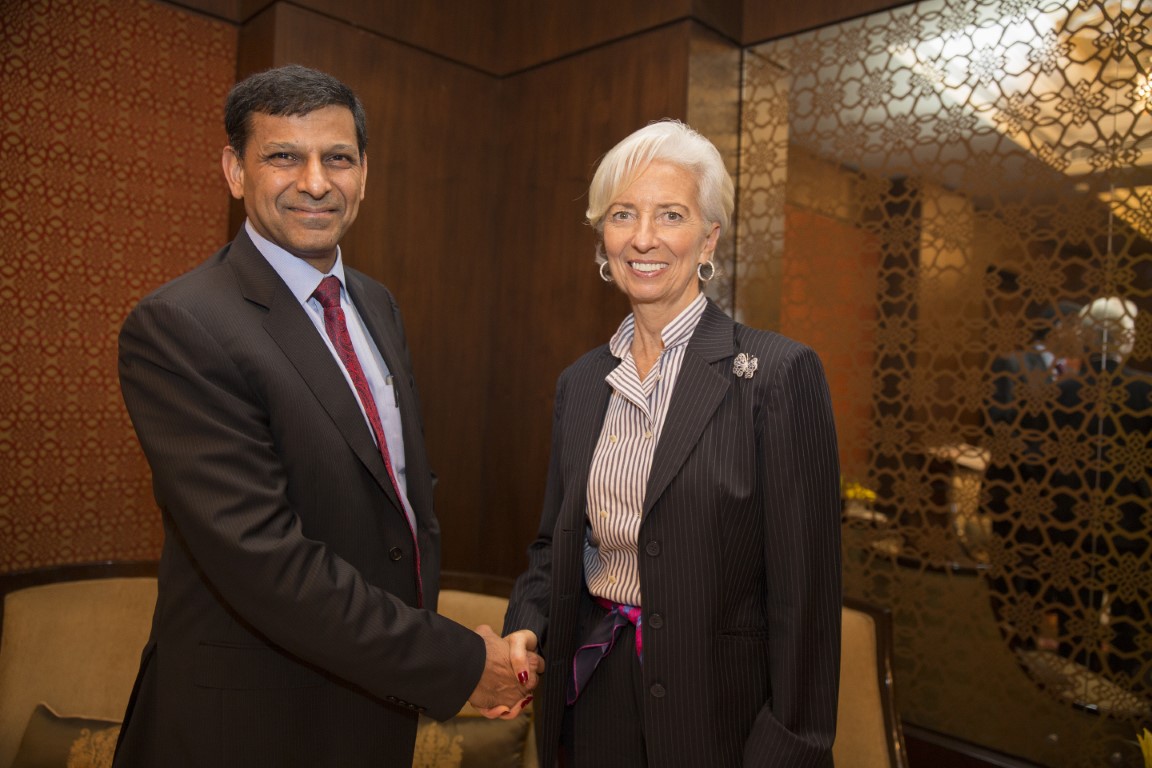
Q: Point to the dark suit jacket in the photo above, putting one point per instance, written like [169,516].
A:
[739,554]
[284,632]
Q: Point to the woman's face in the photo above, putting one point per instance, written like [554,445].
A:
[655,236]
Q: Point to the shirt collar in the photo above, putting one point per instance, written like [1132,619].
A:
[301,277]
[677,332]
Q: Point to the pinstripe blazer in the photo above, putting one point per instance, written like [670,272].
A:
[739,555]
[284,631]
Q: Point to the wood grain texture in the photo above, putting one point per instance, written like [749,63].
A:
[235,11]
[463,31]
[504,37]
[498,37]
[764,20]
[532,33]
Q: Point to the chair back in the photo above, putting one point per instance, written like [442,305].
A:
[473,599]
[868,732]
[71,637]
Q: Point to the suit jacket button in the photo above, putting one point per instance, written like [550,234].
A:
[657,690]
[655,621]
[396,553]
[652,548]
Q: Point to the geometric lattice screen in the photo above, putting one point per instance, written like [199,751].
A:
[952,202]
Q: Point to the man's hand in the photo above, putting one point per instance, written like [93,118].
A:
[511,670]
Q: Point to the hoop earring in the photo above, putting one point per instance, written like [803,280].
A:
[711,265]
[605,277]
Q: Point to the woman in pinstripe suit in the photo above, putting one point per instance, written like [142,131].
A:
[685,582]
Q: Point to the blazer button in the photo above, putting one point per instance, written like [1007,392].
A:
[655,621]
[652,548]
[396,553]
[657,690]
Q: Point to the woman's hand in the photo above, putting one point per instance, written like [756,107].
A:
[527,665]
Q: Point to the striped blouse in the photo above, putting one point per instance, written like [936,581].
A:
[623,456]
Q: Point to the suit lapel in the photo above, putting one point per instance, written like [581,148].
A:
[378,320]
[292,330]
[701,386]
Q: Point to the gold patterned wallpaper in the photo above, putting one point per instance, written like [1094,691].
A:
[109,153]
[940,198]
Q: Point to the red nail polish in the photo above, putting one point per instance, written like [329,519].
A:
[526,702]
[523,677]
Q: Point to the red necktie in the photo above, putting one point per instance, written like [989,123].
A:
[328,294]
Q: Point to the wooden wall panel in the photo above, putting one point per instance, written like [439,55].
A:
[257,49]
[550,305]
[465,31]
[723,16]
[501,37]
[425,230]
[534,32]
[235,11]
[764,20]
[504,37]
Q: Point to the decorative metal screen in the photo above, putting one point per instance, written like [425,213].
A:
[952,202]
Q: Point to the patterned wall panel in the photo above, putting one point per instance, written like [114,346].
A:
[939,198]
[111,134]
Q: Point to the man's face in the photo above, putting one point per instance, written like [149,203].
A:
[301,180]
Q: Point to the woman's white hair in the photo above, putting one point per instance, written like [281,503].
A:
[1109,325]
[668,141]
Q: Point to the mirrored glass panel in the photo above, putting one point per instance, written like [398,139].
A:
[952,202]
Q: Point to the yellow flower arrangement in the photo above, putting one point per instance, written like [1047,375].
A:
[1145,740]
[853,491]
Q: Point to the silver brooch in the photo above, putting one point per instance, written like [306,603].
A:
[745,365]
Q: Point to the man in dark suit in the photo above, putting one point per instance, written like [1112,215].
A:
[272,393]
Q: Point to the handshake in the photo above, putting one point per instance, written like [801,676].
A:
[511,672]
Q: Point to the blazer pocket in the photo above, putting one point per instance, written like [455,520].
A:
[742,665]
[251,667]
[750,633]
